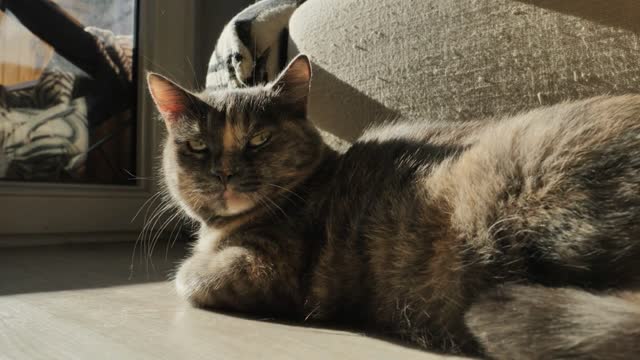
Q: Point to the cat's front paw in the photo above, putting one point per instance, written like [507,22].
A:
[226,279]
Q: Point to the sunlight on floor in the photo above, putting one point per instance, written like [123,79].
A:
[118,318]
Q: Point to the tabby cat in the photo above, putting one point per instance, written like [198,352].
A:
[515,238]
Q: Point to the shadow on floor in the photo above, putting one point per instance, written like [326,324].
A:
[83,266]
[347,329]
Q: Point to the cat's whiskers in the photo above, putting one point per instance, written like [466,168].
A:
[312,312]
[145,234]
[177,225]
[277,206]
[160,210]
[201,200]
[135,177]
[153,197]
[149,202]
[158,235]
[265,205]
[172,238]
[144,237]
[288,191]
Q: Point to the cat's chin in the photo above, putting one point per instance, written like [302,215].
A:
[236,203]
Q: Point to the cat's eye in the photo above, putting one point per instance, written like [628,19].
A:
[197,146]
[259,139]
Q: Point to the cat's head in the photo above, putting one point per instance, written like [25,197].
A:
[230,151]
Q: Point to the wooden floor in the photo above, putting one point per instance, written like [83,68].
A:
[84,302]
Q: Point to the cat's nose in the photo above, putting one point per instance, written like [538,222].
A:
[222,175]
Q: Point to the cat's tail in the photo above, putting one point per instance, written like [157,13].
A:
[535,322]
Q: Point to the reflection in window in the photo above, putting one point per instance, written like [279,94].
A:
[67,91]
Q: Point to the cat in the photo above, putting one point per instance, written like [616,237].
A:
[513,238]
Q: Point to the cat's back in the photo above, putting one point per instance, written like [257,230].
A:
[569,129]
[580,142]
[565,177]
[471,170]
[387,163]
[391,156]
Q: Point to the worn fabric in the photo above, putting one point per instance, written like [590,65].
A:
[44,125]
[252,47]
[456,60]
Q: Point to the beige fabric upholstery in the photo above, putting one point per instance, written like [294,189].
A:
[461,59]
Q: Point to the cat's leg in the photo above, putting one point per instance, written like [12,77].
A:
[235,278]
[536,322]
[208,279]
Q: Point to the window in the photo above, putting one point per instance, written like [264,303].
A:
[68,91]
[99,204]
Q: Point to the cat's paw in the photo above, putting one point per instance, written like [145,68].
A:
[224,279]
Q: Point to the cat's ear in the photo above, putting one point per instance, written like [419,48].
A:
[171,100]
[294,82]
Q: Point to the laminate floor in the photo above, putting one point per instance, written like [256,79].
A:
[87,302]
